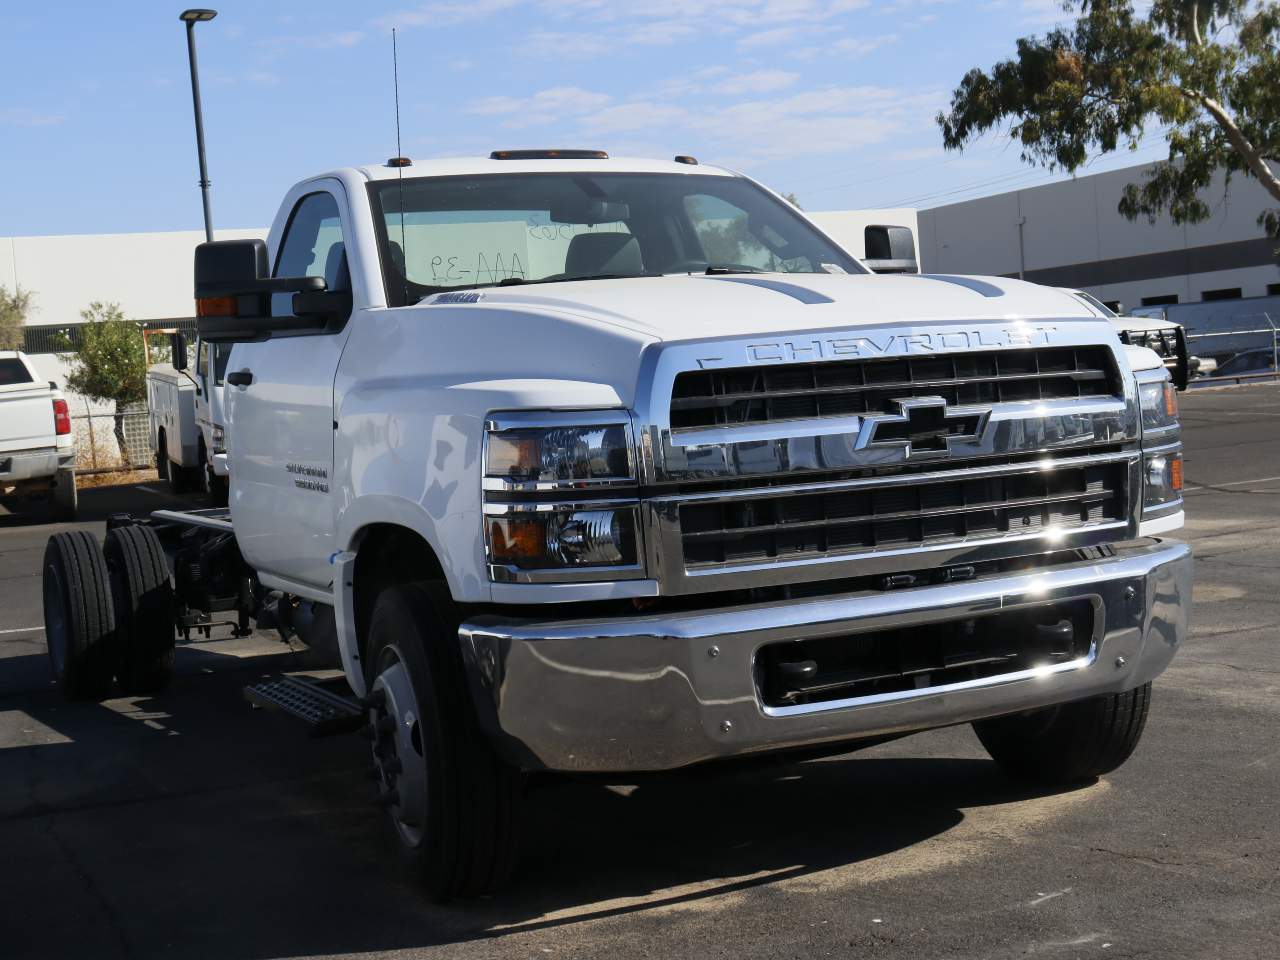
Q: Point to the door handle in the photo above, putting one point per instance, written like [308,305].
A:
[240,378]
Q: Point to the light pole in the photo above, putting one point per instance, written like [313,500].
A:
[191,18]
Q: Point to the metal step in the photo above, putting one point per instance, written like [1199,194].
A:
[323,711]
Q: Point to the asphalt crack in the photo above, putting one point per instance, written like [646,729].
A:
[90,888]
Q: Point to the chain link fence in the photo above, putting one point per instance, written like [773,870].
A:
[98,447]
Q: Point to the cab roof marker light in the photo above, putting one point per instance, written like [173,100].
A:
[548,155]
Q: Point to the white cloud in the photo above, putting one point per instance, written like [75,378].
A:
[640,115]
[759,81]
[542,108]
[27,117]
[446,13]
[769,38]
[858,46]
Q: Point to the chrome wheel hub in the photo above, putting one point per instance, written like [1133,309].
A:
[398,754]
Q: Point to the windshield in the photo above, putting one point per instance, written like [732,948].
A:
[459,232]
[1094,302]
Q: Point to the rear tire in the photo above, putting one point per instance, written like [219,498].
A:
[453,802]
[1071,743]
[143,600]
[66,501]
[162,457]
[79,618]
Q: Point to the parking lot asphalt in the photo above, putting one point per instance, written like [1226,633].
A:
[189,825]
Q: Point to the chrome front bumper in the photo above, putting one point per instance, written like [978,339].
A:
[655,692]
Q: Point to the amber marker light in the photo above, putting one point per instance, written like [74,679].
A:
[517,540]
[215,306]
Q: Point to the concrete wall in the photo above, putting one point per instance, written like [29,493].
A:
[148,274]
[1071,232]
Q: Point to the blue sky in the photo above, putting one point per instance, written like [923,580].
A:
[831,99]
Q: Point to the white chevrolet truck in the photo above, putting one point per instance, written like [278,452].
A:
[37,450]
[612,466]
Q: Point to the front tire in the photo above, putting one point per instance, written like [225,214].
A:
[453,802]
[143,601]
[1071,743]
[79,617]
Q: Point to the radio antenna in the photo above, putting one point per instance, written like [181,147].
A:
[400,162]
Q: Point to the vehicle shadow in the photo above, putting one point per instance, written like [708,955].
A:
[188,821]
[96,504]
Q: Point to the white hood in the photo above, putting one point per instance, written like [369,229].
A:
[700,307]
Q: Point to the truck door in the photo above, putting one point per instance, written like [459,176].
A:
[280,434]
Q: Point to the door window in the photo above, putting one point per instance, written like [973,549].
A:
[312,247]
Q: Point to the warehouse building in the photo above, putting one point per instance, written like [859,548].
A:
[1069,234]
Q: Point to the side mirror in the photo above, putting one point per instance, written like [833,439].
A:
[890,250]
[233,293]
[178,351]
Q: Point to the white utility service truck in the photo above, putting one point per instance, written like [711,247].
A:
[609,466]
[188,429]
[37,450]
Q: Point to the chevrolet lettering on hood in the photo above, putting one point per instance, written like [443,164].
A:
[852,345]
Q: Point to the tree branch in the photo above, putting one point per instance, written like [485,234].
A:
[1195,25]
[1253,158]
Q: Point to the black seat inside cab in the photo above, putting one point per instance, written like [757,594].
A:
[603,254]
[337,274]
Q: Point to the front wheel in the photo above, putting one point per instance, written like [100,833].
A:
[452,801]
[1071,743]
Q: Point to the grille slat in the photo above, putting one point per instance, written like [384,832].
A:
[735,396]
[824,523]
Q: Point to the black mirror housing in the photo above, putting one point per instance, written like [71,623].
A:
[178,351]
[890,250]
[233,286]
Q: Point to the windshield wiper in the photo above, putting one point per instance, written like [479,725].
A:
[517,281]
[719,269]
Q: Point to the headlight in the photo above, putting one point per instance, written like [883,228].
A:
[1162,451]
[1159,402]
[561,497]
[1163,480]
[219,437]
[563,538]
[559,455]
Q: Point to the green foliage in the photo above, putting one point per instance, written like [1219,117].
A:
[13,317]
[111,363]
[1210,71]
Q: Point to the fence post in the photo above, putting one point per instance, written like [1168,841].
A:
[93,446]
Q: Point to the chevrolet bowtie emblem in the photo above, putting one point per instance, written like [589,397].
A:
[926,427]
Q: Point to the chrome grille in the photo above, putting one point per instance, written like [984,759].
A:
[868,518]
[838,388]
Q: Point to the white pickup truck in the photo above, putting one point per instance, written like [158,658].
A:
[612,466]
[37,451]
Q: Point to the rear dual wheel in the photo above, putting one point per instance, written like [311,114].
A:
[143,600]
[108,613]
[79,616]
